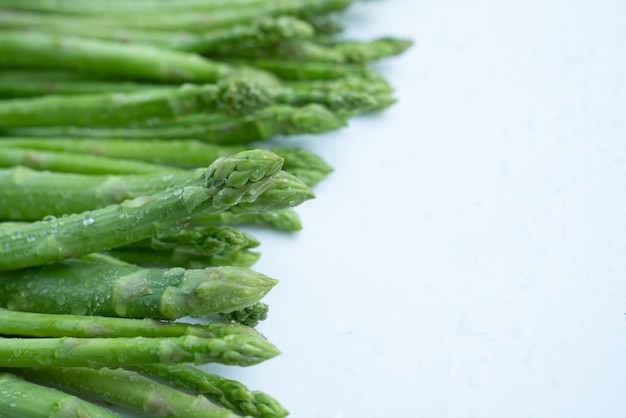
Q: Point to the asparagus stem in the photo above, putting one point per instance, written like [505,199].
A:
[124,155]
[307,50]
[230,393]
[127,389]
[283,220]
[77,163]
[38,50]
[21,398]
[184,257]
[99,286]
[227,182]
[298,71]
[112,109]
[29,195]
[234,349]
[270,122]
[32,324]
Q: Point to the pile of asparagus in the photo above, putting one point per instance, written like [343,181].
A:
[136,144]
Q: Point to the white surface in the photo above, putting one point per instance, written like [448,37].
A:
[466,258]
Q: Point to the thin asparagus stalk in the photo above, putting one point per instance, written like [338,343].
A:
[31,324]
[234,349]
[30,195]
[295,70]
[121,7]
[227,182]
[230,393]
[187,19]
[99,286]
[127,389]
[113,109]
[21,398]
[307,50]
[21,84]
[304,164]
[65,162]
[267,123]
[184,257]
[283,220]
[38,50]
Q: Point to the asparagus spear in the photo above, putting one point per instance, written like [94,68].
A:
[38,50]
[31,324]
[184,257]
[307,50]
[184,19]
[127,389]
[28,195]
[270,122]
[21,398]
[227,182]
[295,70]
[121,7]
[283,220]
[99,286]
[230,393]
[112,109]
[232,349]
[124,155]
[85,164]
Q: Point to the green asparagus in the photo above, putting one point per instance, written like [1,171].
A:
[29,195]
[133,62]
[118,156]
[230,393]
[283,220]
[32,324]
[127,389]
[101,286]
[267,123]
[227,182]
[250,315]
[115,109]
[233,349]
[20,398]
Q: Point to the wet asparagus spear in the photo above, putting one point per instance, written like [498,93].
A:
[114,109]
[128,390]
[227,182]
[102,286]
[228,392]
[21,398]
[32,324]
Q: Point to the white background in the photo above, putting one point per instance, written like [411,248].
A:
[467,257]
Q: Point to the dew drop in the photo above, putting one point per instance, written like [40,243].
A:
[88,221]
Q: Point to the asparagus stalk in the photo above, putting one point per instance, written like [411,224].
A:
[32,324]
[294,70]
[38,50]
[233,349]
[129,390]
[111,109]
[77,163]
[227,182]
[21,398]
[99,286]
[189,19]
[283,220]
[28,195]
[121,7]
[124,155]
[230,393]
[307,50]
[184,257]
[270,122]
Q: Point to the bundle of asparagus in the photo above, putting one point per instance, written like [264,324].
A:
[136,145]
